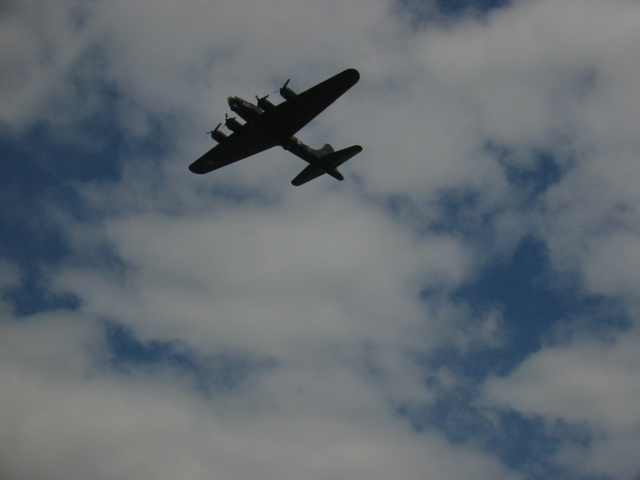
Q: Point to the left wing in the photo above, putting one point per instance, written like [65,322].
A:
[294,114]
[248,141]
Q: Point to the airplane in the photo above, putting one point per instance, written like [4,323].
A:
[268,125]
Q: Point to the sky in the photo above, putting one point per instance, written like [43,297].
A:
[465,305]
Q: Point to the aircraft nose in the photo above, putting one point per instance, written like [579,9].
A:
[231,100]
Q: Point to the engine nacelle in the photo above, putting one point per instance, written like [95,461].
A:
[287,93]
[218,136]
[233,124]
[266,105]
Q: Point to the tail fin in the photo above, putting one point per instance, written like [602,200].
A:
[327,163]
[321,152]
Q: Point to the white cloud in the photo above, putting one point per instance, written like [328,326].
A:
[9,275]
[45,44]
[585,382]
[303,279]
[591,220]
[145,427]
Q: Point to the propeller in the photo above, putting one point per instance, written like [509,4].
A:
[215,129]
[287,93]
[227,120]
[284,87]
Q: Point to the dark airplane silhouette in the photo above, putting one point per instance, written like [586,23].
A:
[268,125]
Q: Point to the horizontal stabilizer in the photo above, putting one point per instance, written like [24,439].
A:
[327,164]
[336,159]
[306,175]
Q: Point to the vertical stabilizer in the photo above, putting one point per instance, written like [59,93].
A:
[326,150]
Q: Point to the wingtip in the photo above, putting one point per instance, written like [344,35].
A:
[353,73]
[195,168]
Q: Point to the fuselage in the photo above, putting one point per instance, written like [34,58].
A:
[250,113]
[246,110]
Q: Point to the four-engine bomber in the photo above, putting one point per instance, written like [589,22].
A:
[268,125]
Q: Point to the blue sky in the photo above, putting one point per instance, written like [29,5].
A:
[463,306]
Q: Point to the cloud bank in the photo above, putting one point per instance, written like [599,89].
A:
[464,305]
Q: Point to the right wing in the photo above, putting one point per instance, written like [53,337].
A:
[291,115]
[249,141]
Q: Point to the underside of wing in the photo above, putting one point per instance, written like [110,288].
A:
[238,146]
[294,114]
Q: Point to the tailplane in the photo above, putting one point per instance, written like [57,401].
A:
[335,159]
[328,162]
